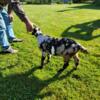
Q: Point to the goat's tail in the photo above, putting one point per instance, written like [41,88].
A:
[83,49]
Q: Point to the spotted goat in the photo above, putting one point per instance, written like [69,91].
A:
[65,47]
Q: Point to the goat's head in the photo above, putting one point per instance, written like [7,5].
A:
[36,31]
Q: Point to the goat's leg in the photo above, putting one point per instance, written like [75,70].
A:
[76,60]
[48,58]
[43,59]
[66,63]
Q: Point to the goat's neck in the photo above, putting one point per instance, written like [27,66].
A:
[39,37]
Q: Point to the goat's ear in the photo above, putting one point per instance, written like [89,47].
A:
[34,31]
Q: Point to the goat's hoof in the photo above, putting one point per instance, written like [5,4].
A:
[59,71]
[40,67]
[75,68]
[48,61]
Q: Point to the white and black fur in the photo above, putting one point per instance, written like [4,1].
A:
[67,48]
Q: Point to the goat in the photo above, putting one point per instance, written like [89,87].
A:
[65,47]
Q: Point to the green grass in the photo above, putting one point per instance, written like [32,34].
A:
[21,80]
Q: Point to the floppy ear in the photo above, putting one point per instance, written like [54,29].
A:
[34,31]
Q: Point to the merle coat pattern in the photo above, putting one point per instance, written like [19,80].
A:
[67,48]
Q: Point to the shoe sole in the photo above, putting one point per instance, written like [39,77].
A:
[7,52]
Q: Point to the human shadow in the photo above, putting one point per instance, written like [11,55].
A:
[87,6]
[26,86]
[83,31]
[5,53]
[64,10]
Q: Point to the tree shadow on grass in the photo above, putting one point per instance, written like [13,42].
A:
[88,6]
[23,87]
[83,31]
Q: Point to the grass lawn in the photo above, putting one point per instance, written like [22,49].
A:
[21,80]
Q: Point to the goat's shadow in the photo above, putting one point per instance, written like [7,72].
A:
[83,31]
[23,87]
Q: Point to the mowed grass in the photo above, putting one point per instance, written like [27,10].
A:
[21,80]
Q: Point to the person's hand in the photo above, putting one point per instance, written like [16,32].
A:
[10,17]
[29,26]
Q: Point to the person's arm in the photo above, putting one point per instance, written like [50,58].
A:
[16,7]
[3,2]
[10,13]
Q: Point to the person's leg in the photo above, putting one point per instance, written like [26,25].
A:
[3,37]
[9,28]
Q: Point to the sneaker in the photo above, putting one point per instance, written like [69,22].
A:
[16,40]
[9,50]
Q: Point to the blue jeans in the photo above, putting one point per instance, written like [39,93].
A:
[6,31]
